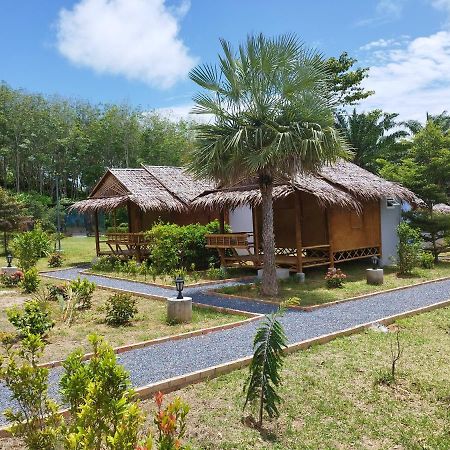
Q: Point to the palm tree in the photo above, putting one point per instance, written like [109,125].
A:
[272,115]
[370,135]
[442,120]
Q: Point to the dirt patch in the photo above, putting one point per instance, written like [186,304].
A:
[10,298]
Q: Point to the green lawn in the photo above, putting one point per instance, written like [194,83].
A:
[331,399]
[76,250]
[314,290]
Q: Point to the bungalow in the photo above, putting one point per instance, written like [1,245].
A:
[341,213]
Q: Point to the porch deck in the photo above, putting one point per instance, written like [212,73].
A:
[238,249]
[125,245]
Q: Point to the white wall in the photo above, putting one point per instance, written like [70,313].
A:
[390,218]
[241,220]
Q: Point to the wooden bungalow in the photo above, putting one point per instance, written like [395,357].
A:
[149,194]
[340,214]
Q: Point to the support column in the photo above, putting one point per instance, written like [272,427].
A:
[222,231]
[97,238]
[255,235]
[298,231]
[330,236]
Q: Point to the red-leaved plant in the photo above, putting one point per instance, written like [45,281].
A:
[171,424]
[11,279]
[335,278]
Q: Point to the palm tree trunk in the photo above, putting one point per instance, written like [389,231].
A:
[269,285]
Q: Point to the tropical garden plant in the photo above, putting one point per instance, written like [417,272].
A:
[264,377]
[272,108]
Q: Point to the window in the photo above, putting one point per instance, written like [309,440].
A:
[391,203]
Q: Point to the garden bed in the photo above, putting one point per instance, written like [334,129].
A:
[201,278]
[149,323]
[314,291]
[331,398]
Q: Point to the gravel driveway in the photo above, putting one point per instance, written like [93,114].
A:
[175,358]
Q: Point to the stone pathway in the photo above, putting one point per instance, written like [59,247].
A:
[175,358]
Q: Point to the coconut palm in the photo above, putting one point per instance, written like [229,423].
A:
[370,135]
[272,116]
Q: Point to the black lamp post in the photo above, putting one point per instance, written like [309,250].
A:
[179,283]
[375,261]
[9,258]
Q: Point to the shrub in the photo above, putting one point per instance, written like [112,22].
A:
[55,260]
[120,309]
[335,278]
[131,267]
[216,273]
[28,247]
[171,424]
[427,260]
[104,410]
[409,248]
[83,289]
[35,417]
[30,281]
[34,318]
[173,246]
[105,264]
[55,292]
[11,279]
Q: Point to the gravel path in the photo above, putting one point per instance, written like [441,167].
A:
[174,358]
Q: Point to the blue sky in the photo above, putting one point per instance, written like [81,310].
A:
[140,51]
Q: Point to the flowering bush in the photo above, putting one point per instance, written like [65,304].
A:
[11,279]
[335,278]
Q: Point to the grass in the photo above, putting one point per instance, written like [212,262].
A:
[331,399]
[149,323]
[315,292]
[76,250]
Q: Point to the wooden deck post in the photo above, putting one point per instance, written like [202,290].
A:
[255,235]
[222,231]
[97,237]
[330,236]
[298,231]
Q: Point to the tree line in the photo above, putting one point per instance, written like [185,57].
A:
[44,138]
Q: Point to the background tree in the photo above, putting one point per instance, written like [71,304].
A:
[426,171]
[371,135]
[11,213]
[346,83]
[273,116]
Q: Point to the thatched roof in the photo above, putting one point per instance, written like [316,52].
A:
[441,208]
[162,188]
[344,184]
[150,188]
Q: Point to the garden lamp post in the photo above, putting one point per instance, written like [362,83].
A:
[179,283]
[9,258]
[375,262]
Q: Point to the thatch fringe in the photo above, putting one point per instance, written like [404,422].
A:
[441,208]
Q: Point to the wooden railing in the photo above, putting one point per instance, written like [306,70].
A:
[230,240]
[126,238]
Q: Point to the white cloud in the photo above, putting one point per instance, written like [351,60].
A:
[413,79]
[380,43]
[182,111]
[385,11]
[138,39]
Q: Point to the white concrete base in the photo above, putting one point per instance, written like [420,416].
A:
[179,310]
[375,276]
[282,274]
[9,270]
